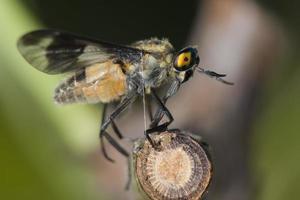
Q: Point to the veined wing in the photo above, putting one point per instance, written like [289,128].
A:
[54,52]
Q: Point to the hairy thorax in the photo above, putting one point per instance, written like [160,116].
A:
[156,62]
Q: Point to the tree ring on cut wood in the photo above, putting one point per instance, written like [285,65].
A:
[178,168]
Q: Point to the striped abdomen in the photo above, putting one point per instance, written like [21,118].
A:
[102,82]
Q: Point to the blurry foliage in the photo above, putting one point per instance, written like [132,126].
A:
[286,12]
[287,15]
[39,159]
[276,141]
[276,144]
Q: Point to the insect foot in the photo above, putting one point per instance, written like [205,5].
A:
[180,169]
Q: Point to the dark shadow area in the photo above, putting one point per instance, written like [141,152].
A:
[119,21]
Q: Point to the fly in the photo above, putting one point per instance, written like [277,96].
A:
[105,72]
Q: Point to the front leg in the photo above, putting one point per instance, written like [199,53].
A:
[160,112]
[164,126]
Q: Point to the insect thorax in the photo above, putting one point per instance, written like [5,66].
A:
[154,45]
[155,65]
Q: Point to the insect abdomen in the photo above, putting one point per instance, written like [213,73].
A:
[103,82]
[65,94]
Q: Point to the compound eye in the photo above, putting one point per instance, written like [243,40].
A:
[183,60]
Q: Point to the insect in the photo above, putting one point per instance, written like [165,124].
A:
[105,72]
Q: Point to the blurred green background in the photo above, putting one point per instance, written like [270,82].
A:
[46,149]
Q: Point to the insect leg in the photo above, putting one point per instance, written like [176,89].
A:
[159,113]
[103,133]
[113,142]
[164,126]
[129,174]
[116,129]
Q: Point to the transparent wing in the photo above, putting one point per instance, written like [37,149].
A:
[55,52]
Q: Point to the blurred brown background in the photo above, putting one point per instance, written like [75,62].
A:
[52,152]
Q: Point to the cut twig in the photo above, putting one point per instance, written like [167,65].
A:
[178,168]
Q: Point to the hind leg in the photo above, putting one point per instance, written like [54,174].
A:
[110,120]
